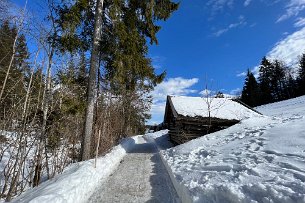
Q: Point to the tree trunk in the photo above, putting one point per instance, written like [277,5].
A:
[25,106]
[47,100]
[42,139]
[91,91]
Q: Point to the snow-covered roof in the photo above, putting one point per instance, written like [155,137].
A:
[223,108]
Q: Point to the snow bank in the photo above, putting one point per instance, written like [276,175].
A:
[78,181]
[219,107]
[261,159]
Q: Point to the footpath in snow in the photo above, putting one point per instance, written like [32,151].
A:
[261,159]
[131,172]
[140,177]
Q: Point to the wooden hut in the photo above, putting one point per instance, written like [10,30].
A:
[188,118]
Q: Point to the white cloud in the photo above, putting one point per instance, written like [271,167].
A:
[220,5]
[289,49]
[300,22]
[235,92]
[242,74]
[207,93]
[173,86]
[247,2]
[255,71]
[241,22]
[293,8]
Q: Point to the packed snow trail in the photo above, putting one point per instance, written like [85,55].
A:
[140,177]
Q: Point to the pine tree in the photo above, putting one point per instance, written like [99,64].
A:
[278,80]
[219,94]
[290,89]
[265,77]
[301,76]
[14,87]
[122,47]
[251,93]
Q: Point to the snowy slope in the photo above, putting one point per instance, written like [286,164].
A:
[261,159]
[219,107]
[285,108]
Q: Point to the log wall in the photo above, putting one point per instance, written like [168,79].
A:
[184,129]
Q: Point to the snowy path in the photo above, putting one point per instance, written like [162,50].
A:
[140,177]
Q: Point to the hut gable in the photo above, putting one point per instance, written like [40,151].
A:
[191,117]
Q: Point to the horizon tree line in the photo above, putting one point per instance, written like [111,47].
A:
[275,82]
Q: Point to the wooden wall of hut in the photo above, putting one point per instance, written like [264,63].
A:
[184,129]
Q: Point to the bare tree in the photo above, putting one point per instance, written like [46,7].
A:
[19,25]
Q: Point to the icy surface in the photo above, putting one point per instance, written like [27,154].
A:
[141,177]
[223,108]
[261,159]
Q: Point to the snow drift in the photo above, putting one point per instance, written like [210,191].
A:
[78,181]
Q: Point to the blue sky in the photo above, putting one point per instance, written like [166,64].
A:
[214,42]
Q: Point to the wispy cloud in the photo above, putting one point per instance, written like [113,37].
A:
[247,3]
[242,74]
[289,49]
[293,8]
[219,5]
[173,86]
[300,22]
[157,61]
[241,22]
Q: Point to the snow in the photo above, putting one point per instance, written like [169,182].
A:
[260,159]
[78,181]
[285,108]
[140,177]
[224,108]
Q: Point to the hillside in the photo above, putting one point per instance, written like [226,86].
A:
[261,159]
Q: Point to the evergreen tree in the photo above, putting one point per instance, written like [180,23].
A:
[251,93]
[14,88]
[219,94]
[278,80]
[265,77]
[290,89]
[301,76]
[122,47]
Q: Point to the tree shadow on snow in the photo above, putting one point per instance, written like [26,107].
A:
[142,148]
[162,187]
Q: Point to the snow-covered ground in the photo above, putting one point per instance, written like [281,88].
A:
[141,177]
[79,180]
[131,172]
[261,159]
